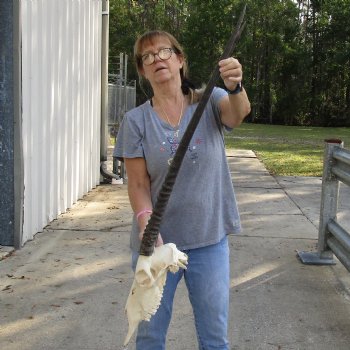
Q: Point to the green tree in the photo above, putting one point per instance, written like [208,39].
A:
[207,29]
[296,54]
[325,29]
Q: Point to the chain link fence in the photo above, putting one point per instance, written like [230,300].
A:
[121,98]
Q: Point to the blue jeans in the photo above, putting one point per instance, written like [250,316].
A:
[207,279]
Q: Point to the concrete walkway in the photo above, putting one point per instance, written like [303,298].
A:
[67,288]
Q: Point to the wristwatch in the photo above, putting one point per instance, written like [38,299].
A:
[236,91]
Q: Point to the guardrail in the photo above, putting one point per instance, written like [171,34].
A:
[332,237]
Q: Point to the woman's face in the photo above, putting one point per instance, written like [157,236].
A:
[161,71]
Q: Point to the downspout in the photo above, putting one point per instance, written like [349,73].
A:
[104,93]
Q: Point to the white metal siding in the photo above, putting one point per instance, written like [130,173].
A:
[61,89]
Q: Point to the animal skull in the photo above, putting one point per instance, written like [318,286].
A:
[147,288]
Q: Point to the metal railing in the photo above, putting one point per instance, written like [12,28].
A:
[332,237]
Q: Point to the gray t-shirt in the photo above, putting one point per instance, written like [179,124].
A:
[202,206]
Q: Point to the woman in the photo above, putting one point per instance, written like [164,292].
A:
[202,209]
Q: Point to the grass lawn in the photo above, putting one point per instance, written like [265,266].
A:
[287,150]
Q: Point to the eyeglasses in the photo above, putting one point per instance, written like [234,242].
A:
[163,54]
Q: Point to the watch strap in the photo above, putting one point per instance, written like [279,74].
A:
[237,89]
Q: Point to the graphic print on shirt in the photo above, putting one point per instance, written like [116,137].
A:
[172,143]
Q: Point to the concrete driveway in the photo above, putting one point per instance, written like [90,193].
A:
[66,289]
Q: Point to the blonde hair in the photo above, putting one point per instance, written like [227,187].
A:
[149,38]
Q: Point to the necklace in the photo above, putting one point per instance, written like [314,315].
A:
[178,120]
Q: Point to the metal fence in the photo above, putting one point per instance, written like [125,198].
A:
[332,237]
[121,93]
[121,98]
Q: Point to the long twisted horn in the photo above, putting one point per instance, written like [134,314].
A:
[152,229]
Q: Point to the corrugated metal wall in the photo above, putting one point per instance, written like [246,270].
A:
[61,89]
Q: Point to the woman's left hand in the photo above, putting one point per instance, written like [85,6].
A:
[230,72]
